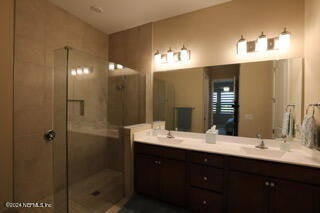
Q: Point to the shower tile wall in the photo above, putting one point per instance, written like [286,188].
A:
[40,29]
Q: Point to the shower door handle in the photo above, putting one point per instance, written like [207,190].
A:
[50,135]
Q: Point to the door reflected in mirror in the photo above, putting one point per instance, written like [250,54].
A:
[240,99]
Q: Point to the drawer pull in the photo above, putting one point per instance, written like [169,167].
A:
[205,160]
[272,184]
[267,183]
[204,202]
[205,178]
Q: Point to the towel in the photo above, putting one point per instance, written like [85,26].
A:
[288,124]
[309,132]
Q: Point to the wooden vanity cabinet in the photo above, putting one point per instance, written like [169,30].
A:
[215,183]
[259,186]
[160,173]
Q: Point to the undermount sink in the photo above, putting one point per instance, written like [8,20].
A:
[170,140]
[263,152]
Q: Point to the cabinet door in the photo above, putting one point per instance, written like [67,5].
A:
[147,175]
[291,197]
[173,181]
[247,193]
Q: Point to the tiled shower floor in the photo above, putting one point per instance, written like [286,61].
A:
[108,187]
[109,184]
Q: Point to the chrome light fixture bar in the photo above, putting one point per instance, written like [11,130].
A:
[263,43]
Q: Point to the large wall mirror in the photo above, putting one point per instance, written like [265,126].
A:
[240,99]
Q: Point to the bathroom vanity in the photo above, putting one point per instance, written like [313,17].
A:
[230,176]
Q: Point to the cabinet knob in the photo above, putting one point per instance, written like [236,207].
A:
[159,162]
[205,160]
[204,202]
[267,183]
[205,178]
[272,184]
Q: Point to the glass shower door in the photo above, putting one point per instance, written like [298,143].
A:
[60,127]
[89,155]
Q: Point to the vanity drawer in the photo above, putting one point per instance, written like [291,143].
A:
[166,152]
[205,201]
[278,170]
[206,177]
[146,149]
[206,159]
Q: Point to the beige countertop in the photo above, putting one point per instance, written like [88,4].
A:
[235,146]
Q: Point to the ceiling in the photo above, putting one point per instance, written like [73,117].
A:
[120,15]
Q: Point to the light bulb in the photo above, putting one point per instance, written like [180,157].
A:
[157,57]
[112,66]
[284,40]
[262,43]
[170,58]
[119,66]
[242,46]
[73,72]
[184,54]
[226,89]
[79,71]
[86,70]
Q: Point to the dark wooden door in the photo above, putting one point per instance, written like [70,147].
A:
[147,175]
[291,197]
[247,193]
[173,181]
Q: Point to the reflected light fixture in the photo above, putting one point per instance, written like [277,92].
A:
[170,58]
[184,54]
[112,66]
[242,46]
[86,70]
[119,66]
[226,89]
[284,40]
[73,72]
[157,57]
[79,71]
[262,43]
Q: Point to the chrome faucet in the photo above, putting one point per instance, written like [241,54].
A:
[170,135]
[262,145]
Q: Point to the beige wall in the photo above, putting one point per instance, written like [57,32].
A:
[312,52]
[40,29]
[6,97]
[133,48]
[188,89]
[255,99]
[211,34]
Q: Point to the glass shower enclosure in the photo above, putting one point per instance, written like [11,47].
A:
[90,106]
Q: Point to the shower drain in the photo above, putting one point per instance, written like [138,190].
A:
[95,193]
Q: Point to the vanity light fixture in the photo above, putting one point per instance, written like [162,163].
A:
[79,71]
[119,67]
[242,46]
[112,66]
[284,40]
[184,54]
[263,43]
[86,70]
[157,57]
[73,72]
[226,89]
[172,57]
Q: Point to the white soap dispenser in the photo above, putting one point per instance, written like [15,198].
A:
[211,135]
